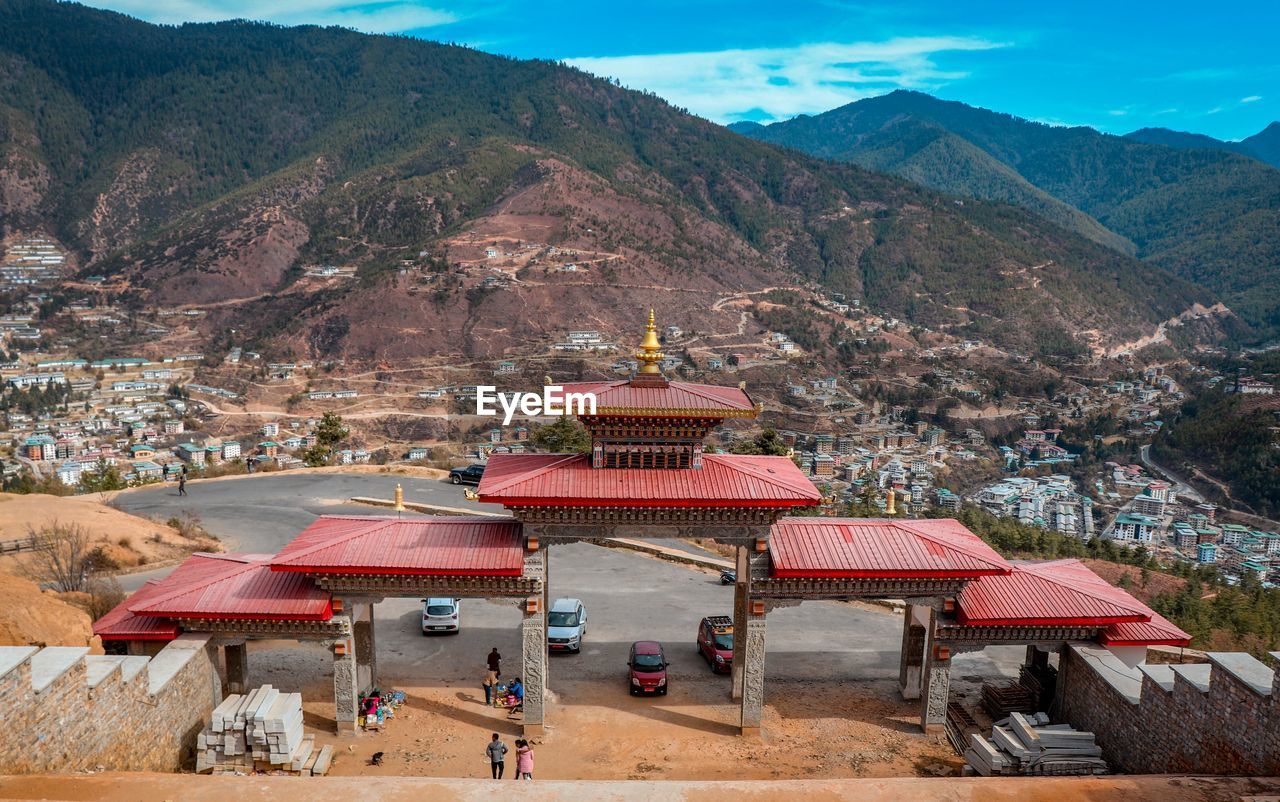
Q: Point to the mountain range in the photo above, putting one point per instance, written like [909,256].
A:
[1263,146]
[204,165]
[1208,212]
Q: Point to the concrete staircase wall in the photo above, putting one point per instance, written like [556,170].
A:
[1220,717]
[66,710]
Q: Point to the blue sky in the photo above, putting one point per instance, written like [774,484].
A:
[1116,66]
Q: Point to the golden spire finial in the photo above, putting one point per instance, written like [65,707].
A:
[650,354]
[890,507]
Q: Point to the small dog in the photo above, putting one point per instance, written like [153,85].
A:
[376,760]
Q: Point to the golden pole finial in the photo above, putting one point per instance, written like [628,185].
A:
[399,498]
[650,354]
[890,508]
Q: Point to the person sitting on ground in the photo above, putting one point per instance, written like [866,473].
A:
[515,696]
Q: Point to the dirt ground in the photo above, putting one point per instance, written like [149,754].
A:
[31,617]
[597,731]
[130,540]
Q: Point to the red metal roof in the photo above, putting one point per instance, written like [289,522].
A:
[444,546]
[1056,592]
[677,398]
[568,480]
[124,624]
[877,547]
[1159,631]
[235,586]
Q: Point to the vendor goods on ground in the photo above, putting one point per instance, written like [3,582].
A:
[379,706]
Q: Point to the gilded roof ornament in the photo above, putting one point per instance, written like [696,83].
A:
[650,355]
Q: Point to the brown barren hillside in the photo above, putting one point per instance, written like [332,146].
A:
[1157,584]
[32,617]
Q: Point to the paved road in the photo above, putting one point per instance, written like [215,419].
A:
[1183,489]
[263,513]
[628,596]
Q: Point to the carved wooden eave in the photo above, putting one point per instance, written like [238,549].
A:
[424,586]
[737,534]
[262,628]
[965,638]
[843,588]
[648,516]
[691,413]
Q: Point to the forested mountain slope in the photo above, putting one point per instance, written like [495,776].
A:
[1211,216]
[205,164]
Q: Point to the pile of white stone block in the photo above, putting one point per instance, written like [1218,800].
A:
[260,731]
[1029,744]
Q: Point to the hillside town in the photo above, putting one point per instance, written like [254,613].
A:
[157,416]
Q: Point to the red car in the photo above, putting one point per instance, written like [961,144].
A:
[715,642]
[647,668]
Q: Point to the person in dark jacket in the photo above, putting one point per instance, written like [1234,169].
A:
[497,752]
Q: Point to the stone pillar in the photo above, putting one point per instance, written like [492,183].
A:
[1037,658]
[911,659]
[533,632]
[935,681]
[750,642]
[237,659]
[363,642]
[346,695]
[740,591]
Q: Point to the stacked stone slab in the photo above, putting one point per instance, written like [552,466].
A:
[259,731]
[1031,745]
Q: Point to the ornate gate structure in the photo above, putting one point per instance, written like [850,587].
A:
[648,475]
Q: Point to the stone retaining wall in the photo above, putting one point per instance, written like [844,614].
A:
[1220,717]
[65,710]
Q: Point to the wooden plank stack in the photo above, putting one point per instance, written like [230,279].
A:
[260,731]
[1031,745]
[1001,700]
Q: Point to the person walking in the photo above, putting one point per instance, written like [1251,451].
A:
[497,752]
[524,760]
[182,484]
[494,671]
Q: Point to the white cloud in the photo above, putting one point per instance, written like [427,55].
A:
[1251,99]
[380,16]
[783,82]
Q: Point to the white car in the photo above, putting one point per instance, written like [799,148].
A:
[566,625]
[441,615]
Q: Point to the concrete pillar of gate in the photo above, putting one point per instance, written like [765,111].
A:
[750,641]
[740,590]
[935,681]
[346,695]
[365,646]
[911,659]
[237,659]
[533,631]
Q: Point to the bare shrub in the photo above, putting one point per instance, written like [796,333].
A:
[63,558]
[105,594]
